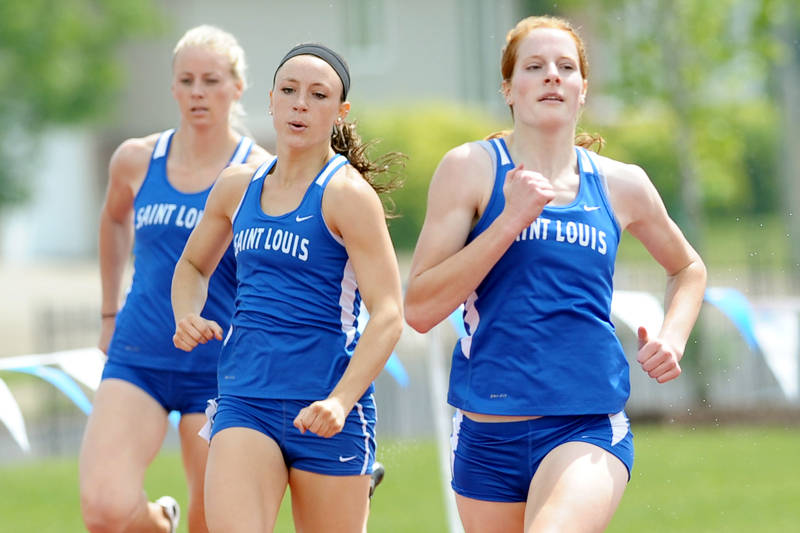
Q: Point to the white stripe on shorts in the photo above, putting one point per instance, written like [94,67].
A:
[458,416]
[619,427]
[363,419]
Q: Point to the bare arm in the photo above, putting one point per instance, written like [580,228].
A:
[201,255]
[353,210]
[444,272]
[641,211]
[126,171]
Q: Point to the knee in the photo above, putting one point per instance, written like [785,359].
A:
[102,513]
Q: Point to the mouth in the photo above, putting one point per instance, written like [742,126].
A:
[551,97]
[198,109]
[297,125]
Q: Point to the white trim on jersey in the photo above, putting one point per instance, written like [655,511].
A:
[595,165]
[347,298]
[161,146]
[471,318]
[333,165]
[259,173]
[242,151]
[586,163]
[487,145]
[505,159]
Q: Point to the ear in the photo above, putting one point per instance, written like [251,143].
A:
[505,89]
[583,92]
[269,107]
[344,110]
[239,89]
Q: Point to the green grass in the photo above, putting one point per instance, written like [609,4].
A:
[713,479]
[706,479]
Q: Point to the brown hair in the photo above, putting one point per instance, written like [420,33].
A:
[509,58]
[346,141]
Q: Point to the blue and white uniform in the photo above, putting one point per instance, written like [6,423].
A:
[163,220]
[294,329]
[540,340]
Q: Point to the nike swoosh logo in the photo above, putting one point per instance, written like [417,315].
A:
[298,218]
[591,208]
[345,459]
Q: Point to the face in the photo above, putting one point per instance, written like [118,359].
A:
[306,101]
[546,87]
[203,85]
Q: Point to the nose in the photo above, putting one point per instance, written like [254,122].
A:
[299,102]
[551,76]
[197,89]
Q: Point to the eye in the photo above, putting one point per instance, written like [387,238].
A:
[535,66]
[212,81]
[186,81]
[320,95]
[287,90]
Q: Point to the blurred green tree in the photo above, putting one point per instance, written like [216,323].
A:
[710,72]
[424,132]
[58,66]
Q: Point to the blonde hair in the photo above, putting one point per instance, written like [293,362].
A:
[509,58]
[222,42]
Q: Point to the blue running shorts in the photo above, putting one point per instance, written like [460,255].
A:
[350,452]
[496,461]
[185,392]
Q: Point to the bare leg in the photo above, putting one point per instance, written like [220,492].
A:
[124,433]
[334,504]
[576,488]
[479,516]
[194,451]
[245,482]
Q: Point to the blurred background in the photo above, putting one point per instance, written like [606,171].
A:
[704,95]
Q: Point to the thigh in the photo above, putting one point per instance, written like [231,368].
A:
[245,481]
[124,433]
[577,487]
[334,504]
[481,516]
[194,450]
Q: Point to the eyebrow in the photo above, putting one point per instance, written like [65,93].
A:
[295,80]
[207,73]
[539,56]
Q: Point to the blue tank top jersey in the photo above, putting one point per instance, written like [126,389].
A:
[297,301]
[163,219]
[540,340]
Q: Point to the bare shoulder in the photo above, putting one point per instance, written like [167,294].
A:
[621,174]
[632,194]
[464,177]
[234,179]
[468,161]
[348,185]
[130,160]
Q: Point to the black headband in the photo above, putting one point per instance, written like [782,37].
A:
[321,51]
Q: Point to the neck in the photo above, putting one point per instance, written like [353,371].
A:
[547,152]
[201,145]
[301,164]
